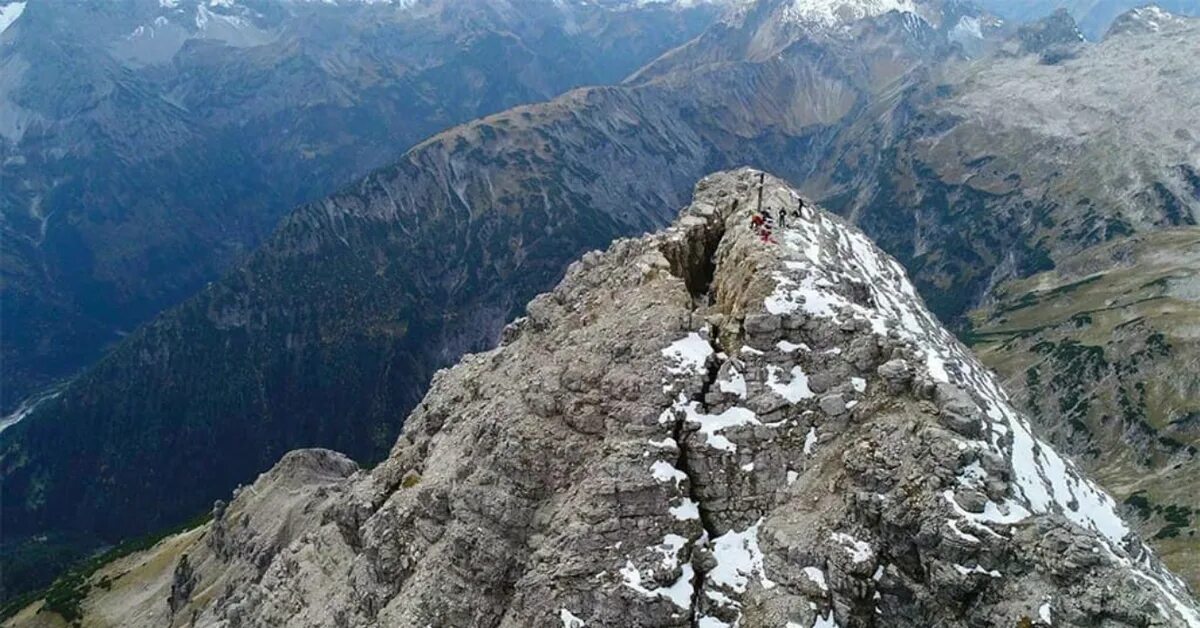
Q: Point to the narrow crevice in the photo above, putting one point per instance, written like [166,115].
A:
[683,463]
[698,573]
[694,259]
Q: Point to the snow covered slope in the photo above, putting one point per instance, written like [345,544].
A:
[9,12]
[820,255]
[833,12]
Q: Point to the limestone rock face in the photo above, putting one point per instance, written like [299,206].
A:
[709,426]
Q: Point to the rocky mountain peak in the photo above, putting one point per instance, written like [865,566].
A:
[830,13]
[1148,19]
[747,419]
[1053,37]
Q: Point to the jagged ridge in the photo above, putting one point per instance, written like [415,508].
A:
[695,428]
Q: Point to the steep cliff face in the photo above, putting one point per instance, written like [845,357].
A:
[708,426]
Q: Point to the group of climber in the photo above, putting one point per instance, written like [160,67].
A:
[763,223]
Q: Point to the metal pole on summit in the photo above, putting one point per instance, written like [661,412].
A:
[762,223]
[761,179]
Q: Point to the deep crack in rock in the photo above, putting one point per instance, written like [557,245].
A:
[683,464]
[694,261]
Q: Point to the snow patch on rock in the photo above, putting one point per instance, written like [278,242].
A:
[736,384]
[9,14]
[860,551]
[795,389]
[711,425]
[688,354]
[569,620]
[679,592]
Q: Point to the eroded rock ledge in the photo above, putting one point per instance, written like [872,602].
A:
[695,428]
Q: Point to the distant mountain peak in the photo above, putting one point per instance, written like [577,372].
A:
[1054,38]
[835,12]
[1147,19]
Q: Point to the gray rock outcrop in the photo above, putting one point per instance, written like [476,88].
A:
[701,427]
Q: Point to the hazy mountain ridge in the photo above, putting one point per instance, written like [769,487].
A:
[133,176]
[1094,16]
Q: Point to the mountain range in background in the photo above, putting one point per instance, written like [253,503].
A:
[991,159]
[148,146]
[1093,16]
